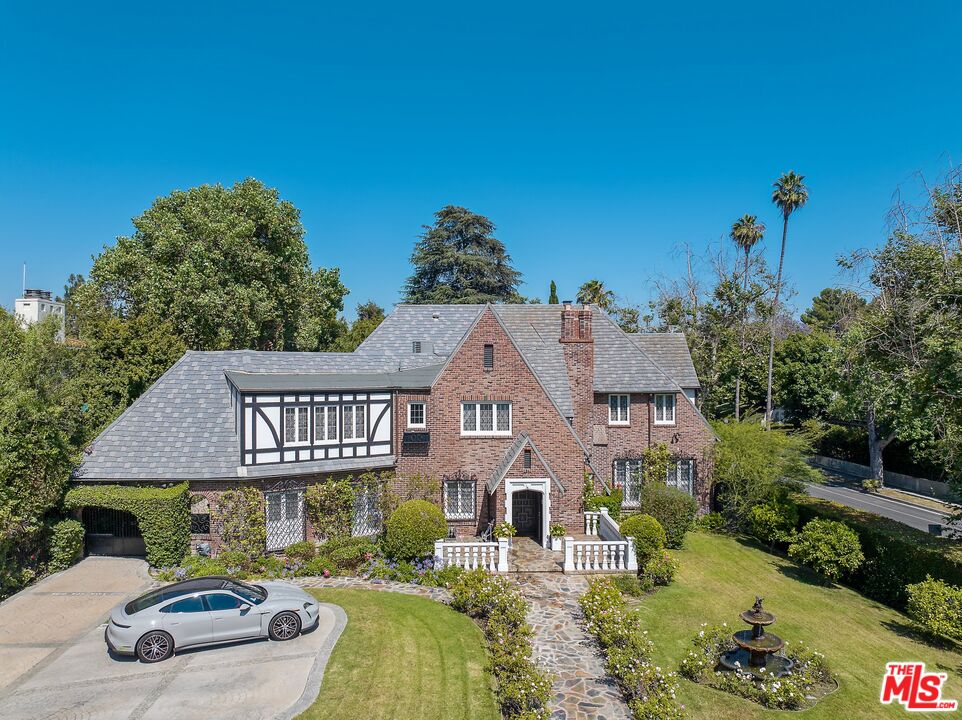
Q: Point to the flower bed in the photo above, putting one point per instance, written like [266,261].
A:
[523,689]
[809,680]
[649,692]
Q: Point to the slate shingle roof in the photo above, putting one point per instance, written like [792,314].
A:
[183,427]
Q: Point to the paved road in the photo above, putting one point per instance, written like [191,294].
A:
[837,489]
[54,662]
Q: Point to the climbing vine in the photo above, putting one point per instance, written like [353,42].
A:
[240,514]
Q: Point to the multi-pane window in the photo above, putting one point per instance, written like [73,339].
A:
[664,409]
[325,423]
[296,424]
[354,421]
[416,415]
[459,499]
[681,475]
[617,409]
[627,477]
[486,418]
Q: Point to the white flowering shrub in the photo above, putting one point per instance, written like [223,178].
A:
[649,692]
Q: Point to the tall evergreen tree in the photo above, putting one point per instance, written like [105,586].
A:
[553,294]
[458,260]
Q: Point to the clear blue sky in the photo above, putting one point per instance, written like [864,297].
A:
[596,136]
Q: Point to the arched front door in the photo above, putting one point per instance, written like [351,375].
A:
[526,514]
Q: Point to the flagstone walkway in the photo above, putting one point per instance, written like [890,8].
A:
[582,688]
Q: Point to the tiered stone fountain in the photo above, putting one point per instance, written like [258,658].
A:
[757,648]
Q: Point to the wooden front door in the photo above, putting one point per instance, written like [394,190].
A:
[526,513]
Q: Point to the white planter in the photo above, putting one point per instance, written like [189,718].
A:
[556,543]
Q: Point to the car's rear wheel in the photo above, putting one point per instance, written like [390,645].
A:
[155,646]
[284,626]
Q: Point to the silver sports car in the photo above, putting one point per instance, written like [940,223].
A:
[206,611]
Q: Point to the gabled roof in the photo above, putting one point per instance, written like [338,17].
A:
[523,440]
[670,351]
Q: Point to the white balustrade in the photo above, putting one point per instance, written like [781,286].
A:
[591,522]
[492,556]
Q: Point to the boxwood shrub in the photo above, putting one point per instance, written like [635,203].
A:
[412,530]
[937,608]
[163,515]
[66,544]
[896,555]
[672,508]
[648,533]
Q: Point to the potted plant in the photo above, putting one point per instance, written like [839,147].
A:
[557,532]
[505,530]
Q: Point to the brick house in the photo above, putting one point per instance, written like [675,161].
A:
[505,409]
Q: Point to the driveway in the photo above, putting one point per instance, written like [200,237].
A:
[54,662]
[839,489]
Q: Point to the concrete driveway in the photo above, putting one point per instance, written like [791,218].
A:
[54,662]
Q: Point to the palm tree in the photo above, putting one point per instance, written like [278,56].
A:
[594,292]
[746,233]
[789,195]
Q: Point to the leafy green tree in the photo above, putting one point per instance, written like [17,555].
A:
[369,316]
[833,309]
[594,292]
[628,318]
[228,267]
[553,294]
[789,195]
[746,233]
[804,382]
[458,260]
[38,419]
[754,466]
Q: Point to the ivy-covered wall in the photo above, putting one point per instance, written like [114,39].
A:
[163,515]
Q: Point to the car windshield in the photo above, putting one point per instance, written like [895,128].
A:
[253,594]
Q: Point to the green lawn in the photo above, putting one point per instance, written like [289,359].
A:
[719,577]
[403,658]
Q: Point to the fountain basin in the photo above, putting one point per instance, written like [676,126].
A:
[741,660]
[766,642]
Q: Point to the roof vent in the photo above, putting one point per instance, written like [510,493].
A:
[416,347]
[436,316]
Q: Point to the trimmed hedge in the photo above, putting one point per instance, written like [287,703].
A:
[648,533]
[412,530]
[163,515]
[895,554]
[66,544]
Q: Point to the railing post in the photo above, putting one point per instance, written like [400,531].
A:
[439,552]
[632,559]
[502,554]
[569,549]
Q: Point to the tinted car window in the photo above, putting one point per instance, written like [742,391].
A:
[251,593]
[220,601]
[187,605]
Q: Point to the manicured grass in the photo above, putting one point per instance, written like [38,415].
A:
[403,658]
[719,577]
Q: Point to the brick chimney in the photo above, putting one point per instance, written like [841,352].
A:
[579,351]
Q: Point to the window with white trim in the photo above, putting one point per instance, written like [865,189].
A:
[325,423]
[459,499]
[416,416]
[485,418]
[665,409]
[627,477]
[681,475]
[296,424]
[618,409]
[354,422]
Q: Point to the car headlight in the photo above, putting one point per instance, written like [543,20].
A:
[306,605]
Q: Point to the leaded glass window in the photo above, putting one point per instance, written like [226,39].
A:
[459,499]
[627,477]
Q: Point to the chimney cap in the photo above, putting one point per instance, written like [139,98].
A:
[566,303]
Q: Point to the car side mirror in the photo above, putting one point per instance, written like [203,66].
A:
[244,607]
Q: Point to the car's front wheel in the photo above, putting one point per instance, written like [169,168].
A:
[284,626]
[155,646]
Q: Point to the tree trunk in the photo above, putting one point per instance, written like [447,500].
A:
[771,343]
[876,446]
[741,351]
